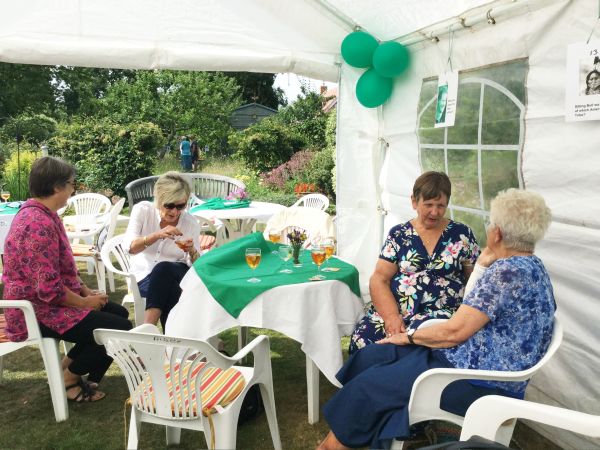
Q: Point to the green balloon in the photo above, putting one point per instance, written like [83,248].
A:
[358,48]
[372,89]
[390,59]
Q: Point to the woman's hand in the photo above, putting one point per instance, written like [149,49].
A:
[394,325]
[486,257]
[168,232]
[96,301]
[397,339]
[85,291]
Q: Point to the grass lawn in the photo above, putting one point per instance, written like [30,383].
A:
[28,418]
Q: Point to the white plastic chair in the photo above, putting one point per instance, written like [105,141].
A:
[91,256]
[317,224]
[318,201]
[50,354]
[486,415]
[112,249]
[163,393]
[427,390]
[213,227]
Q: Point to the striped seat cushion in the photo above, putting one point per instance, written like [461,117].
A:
[218,387]
[206,241]
[3,337]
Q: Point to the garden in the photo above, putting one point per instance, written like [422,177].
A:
[116,126]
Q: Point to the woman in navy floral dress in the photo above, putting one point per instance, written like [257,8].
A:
[505,323]
[422,269]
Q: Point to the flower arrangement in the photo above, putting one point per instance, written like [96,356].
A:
[296,238]
[238,194]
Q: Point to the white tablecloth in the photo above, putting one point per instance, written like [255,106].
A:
[5,223]
[315,314]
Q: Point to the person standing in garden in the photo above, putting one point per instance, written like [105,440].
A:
[185,149]
[195,154]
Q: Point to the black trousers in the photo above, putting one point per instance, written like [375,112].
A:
[89,357]
[161,287]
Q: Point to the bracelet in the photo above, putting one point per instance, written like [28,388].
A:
[146,242]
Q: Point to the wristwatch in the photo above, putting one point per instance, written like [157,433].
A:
[409,335]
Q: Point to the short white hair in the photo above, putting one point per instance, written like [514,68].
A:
[522,217]
[171,187]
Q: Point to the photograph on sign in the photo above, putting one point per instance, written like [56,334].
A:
[445,109]
[582,94]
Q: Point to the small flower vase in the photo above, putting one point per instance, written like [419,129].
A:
[296,254]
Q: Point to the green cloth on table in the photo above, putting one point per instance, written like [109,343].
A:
[224,272]
[10,207]
[220,203]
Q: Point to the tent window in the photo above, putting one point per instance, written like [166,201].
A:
[481,153]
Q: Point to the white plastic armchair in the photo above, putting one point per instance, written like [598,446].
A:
[208,228]
[318,201]
[427,390]
[112,250]
[91,255]
[49,349]
[163,375]
[486,415]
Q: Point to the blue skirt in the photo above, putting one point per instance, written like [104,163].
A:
[372,407]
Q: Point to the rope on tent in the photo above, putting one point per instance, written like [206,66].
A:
[594,27]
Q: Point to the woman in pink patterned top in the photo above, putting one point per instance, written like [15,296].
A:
[39,267]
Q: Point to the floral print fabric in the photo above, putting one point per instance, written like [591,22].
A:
[38,265]
[517,296]
[425,286]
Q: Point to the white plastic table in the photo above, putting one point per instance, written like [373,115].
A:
[315,314]
[5,223]
[240,221]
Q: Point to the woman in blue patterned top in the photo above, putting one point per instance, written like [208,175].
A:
[422,268]
[505,323]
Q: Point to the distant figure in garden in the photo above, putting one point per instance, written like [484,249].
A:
[185,149]
[164,240]
[422,269]
[195,155]
[592,83]
[39,267]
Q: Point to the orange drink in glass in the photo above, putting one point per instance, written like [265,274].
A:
[253,256]
[318,256]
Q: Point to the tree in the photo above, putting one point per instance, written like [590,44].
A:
[33,128]
[25,87]
[306,118]
[196,103]
[78,89]
[258,88]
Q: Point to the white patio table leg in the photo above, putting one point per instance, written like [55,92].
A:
[312,389]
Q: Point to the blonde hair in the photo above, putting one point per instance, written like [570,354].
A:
[171,187]
[522,216]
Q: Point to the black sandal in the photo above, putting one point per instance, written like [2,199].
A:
[86,393]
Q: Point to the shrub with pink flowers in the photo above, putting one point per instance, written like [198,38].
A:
[294,168]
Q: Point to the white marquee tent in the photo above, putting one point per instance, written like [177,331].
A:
[379,150]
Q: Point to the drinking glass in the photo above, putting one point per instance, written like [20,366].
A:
[274,236]
[317,254]
[253,256]
[329,246]
[5,196]
[285,253]
[182,242]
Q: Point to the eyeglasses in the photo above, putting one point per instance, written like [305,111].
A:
[178,206]
[72,183]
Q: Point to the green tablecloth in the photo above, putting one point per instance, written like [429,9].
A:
[219,203]
[225,273]
[10,207]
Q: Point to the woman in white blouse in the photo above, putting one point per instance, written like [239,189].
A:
[164,241]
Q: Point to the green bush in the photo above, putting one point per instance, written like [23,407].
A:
[107,155]
[16,172]
[318,172]
[265,145]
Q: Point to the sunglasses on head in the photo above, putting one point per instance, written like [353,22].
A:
[178,206]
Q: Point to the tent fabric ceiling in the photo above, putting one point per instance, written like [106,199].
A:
[302,37]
